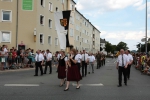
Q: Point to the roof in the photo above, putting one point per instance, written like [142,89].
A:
[102,40]
[87,20]
[73,1]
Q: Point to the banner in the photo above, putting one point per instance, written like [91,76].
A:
[62,26]
[27,5]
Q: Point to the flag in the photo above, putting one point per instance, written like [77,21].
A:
[62,26]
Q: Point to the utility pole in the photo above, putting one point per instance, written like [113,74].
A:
[146,30]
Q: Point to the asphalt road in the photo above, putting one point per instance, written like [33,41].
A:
[102,85]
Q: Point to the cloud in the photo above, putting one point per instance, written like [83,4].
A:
[129,37]
[106,5]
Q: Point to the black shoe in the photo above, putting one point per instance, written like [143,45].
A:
[119,85]
[35,75]
[78,87]
[125,84]
[44,73]
[92,72]
[89,72]
[66,89]
[41,74]
[50,73]
[82,76]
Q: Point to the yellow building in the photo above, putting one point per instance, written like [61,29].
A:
[31,22]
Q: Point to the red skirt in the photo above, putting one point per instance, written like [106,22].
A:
[61,72]
[73,73]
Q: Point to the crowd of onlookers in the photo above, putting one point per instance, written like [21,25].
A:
[15,59]
[142,62]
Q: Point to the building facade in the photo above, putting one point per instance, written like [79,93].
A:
[31,23]
[103,45]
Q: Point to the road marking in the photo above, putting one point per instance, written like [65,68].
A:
[115,61]
[21,85]
[88,84]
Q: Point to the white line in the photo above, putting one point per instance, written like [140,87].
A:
[21,85]
[115,61]
[88,84]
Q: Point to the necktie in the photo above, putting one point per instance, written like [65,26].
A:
[122,61]
[84,57]
[38,58]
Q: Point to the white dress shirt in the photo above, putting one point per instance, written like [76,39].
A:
[40,57]
[79,57]
[91,58]
[125,60]
[48,56]
[130,57]
[86,57]
[58,56]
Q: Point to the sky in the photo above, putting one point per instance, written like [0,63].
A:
[118,20]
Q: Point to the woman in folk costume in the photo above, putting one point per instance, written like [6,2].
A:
[61,68]
[73,73]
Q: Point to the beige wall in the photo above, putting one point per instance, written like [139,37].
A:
[30,20]
[26,25]
[9,26]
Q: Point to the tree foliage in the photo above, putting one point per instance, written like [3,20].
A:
[111,48]
[122,45]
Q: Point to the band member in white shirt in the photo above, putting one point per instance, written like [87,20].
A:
[130,63]
[84,63]
[48,62]
[39,58]
[91,60]
[122,64]
[79,56]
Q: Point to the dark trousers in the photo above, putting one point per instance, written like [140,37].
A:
[121,71]
[78,64]
[48,63]
[104,61]
[101,62]
[38,64]
[84,68]
[98,64]
[128,71]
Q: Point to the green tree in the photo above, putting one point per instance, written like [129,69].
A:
[114,48]
[122,45]
[108,47]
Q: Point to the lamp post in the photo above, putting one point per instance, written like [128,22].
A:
[146,30]
[140,46]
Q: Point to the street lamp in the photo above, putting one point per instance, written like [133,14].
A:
[146,30]
[140,46]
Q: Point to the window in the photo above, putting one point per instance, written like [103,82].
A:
[50,23]
[41,39]
[49,40]
[6,37]
[42,3]
[50,6]
[71,32]
[71,20]
[82,39]
[56,9]
[62,1]
[6,15]
[7,0]
[77,38]
[41,19]
[56,41]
